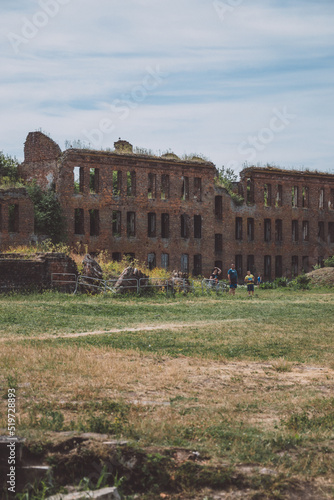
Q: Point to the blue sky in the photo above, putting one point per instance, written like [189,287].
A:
[239,81]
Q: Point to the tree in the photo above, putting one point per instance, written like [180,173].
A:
[226,177]
[8,168]
[49,218]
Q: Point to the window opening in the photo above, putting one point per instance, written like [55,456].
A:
[79,223]
[197,226]
[164,225]
[164,187]
[152,186]
[238,228]
[185,189]
[93,180]
[131,224]
[13,218]
[185,226]
[198,188]
[151,224]
[116,223]
[94,222]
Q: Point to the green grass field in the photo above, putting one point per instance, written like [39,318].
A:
[245,385]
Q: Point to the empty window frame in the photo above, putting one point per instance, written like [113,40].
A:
[164,186]
[116,223]
[305,197]
[218,243]
[305,264]
[267,230]
[267,267]
[278,266]
[331,232]
[185,263]
[93,180]
[165,261]
[116,256]
[279,196]
[238,228]
[0,218]
[151,260]
[267,195]
[131,224]
[164,225]
[250,191]
[306,230]
[94,222]
[197,226]
[322,198]
[130,257]
[331,200]
[116,182]
[250,229]
[278,230]
[185,188]
[294,265]
[151,224]
[131,183]
[152,186]
[250,263]
[78,179]
[79,221]
[321,230]
[185,226]
[218,207]
[197,265]
[294,196]
[238,266]
[13,218]
[198,188]
[295,230]
[321,262]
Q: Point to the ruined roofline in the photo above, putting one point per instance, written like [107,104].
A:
[114,154]
[282,172]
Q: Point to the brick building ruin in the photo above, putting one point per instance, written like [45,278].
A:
[169,212]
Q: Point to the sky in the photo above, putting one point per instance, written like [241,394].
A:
[241,82]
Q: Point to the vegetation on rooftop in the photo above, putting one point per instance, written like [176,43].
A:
[225,178]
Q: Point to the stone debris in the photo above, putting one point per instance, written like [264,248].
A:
[102,494]
[92,275]
[129,280]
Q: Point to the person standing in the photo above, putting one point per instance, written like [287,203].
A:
[249,279]
[232,276]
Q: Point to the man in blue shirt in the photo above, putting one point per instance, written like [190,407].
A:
[232,276]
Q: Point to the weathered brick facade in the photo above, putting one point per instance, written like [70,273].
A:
[168,212]
[16,218]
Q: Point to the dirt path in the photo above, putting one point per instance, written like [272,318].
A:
[141,328]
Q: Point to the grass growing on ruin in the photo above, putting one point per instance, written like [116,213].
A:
[246,383]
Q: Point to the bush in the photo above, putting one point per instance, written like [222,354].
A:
[329,262]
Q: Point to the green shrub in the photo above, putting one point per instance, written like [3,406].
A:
[329,262]
[49,219]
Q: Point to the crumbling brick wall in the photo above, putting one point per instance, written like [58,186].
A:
[16,218]
[168,212]
[33,272]
[40,160]
[277,230]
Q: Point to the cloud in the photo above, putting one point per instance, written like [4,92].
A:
[223,75]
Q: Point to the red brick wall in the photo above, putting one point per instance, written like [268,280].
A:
[24,227]
[18,272]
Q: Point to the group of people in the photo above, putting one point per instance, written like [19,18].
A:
[232,277]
